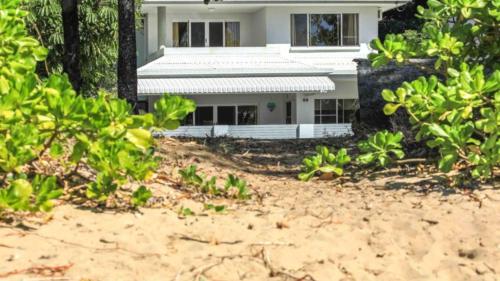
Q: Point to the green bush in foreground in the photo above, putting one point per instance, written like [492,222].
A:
[324,161]
[458,115]
[46,120]
[381,147]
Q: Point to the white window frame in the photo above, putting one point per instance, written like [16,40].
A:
[321,115]
[341,41]
[336,111]
[207,30]
[215,115]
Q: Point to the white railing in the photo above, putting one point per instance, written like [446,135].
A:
[288,131]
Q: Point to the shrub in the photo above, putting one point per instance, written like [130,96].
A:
[381,147]
[233,188]
[459,115]
[45,119]
[325,161]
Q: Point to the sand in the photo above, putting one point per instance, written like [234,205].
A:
[387,228]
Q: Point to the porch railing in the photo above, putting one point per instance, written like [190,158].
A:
[288,131]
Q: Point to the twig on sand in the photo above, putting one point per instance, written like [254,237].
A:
[214,241]
[205,268]
[273,272]
[46,271]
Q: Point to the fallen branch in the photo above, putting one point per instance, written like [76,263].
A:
[46,271]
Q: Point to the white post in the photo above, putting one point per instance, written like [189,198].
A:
[220,131]
[305,131]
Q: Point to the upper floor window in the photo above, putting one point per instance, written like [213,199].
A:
[324,30]
[206,34]
[180,34]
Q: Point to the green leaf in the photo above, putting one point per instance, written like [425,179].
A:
[388,95]
[140,138]
[56,150]
[141,196]
[391,108]
[447,161]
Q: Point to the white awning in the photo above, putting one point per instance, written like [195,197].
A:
[229,85]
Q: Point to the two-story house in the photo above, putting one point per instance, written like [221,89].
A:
[258,68]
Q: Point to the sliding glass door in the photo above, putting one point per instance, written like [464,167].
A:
[206,34]
[198,34]
[216,34]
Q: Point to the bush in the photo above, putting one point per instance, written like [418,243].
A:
[233,188]
[325,161]
[460,114]
[46,120]
[381,147]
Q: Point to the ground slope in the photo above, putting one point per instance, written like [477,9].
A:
[384,228]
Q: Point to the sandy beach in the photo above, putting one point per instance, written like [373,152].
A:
[385,228]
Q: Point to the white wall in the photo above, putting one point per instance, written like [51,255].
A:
[268,25]
[259,27]
[344,89]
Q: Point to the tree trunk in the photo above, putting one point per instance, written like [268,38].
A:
[71,55]
[127,56]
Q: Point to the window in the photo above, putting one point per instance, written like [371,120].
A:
[142,107]
[206,34]
[216,34]
[226,115]
[189,120]
[299,30]
[319,30]
[350,30]
[288,117]
[324,30]
[325,111]
[328,111]
[347,109]
[204,115]
[247,115]
[198,34]
[232,34]
[180,34]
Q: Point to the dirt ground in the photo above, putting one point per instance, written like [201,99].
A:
[381,226]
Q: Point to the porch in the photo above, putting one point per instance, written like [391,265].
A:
[276,131]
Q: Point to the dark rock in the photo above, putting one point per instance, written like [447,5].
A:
[371,82]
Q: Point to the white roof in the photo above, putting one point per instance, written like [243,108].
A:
[234,85]
[231,64]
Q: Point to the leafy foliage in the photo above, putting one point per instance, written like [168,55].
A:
[239,185]
[234,187]
[382,147]
[141,196]
[21,195]
[325,161]
[46,119]
[458,115]
[98,39]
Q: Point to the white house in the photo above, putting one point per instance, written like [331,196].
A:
[258,68]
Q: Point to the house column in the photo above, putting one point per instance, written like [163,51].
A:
[162,27]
